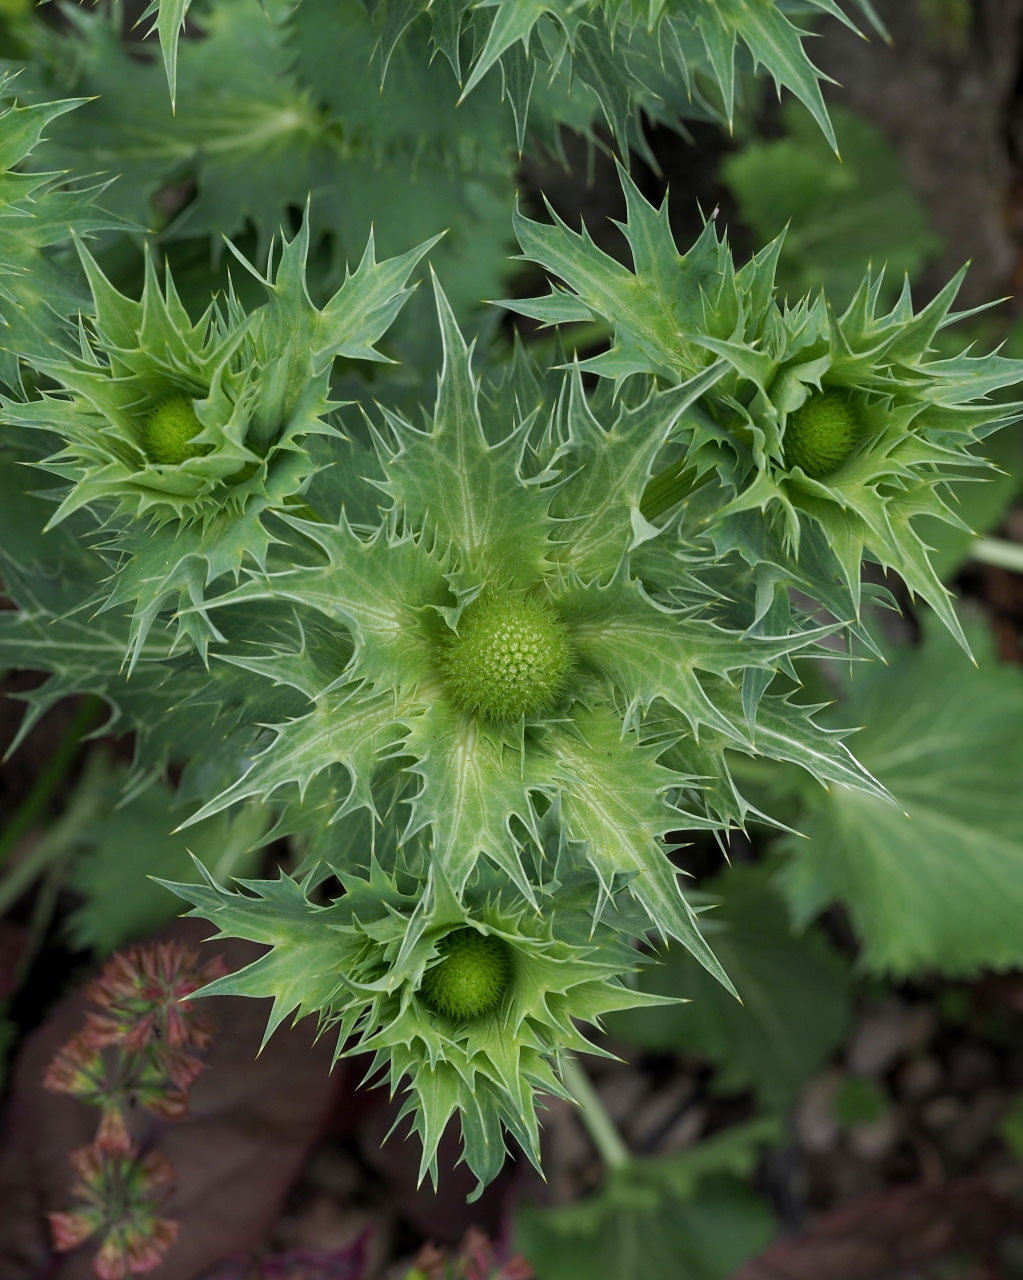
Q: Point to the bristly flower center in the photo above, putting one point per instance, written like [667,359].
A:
[510,657]
[471,978]
[168,432]
[820,435]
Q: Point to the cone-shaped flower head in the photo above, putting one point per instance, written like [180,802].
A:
[821,434]
[168,434]
[473,974]
[510,657]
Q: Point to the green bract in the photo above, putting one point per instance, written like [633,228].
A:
[235,395]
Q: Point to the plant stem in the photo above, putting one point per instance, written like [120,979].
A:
[599,1124]
[54,844]
[666,488]
[51,777]
[998,552]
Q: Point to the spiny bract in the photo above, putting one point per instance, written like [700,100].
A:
[265,379]
[916,415]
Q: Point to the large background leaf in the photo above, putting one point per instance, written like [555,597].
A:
[939,886]
[794,990]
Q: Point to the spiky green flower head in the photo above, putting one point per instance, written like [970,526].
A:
[821,434]
[505,662]
[511,657]
[820,438]
[470,978]
[467,1006]
[168,432]
[180,434]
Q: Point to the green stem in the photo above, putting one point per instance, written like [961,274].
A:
[59,837]
[998,552]
[50,778]
[599,1124]
[666,488]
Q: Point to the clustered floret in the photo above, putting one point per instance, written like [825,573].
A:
[472,976]
[821,434]
[168,434]
[511,657]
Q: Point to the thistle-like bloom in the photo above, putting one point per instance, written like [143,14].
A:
[502,720]
[468,1007]
[826,437]
[180,434]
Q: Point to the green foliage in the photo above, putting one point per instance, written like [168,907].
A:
[279,106]
[481,655]
[40,210]
[794,989]
[129,842]
[838,215]
[674,315]
[613,49]
[935,884]
[685,1215]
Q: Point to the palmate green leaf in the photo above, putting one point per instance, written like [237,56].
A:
[689,1215]
[938,887]
[838,216]
[795,993]
[300,115]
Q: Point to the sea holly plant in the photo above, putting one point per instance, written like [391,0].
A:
[829,434]
[485,640]
[183,432]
